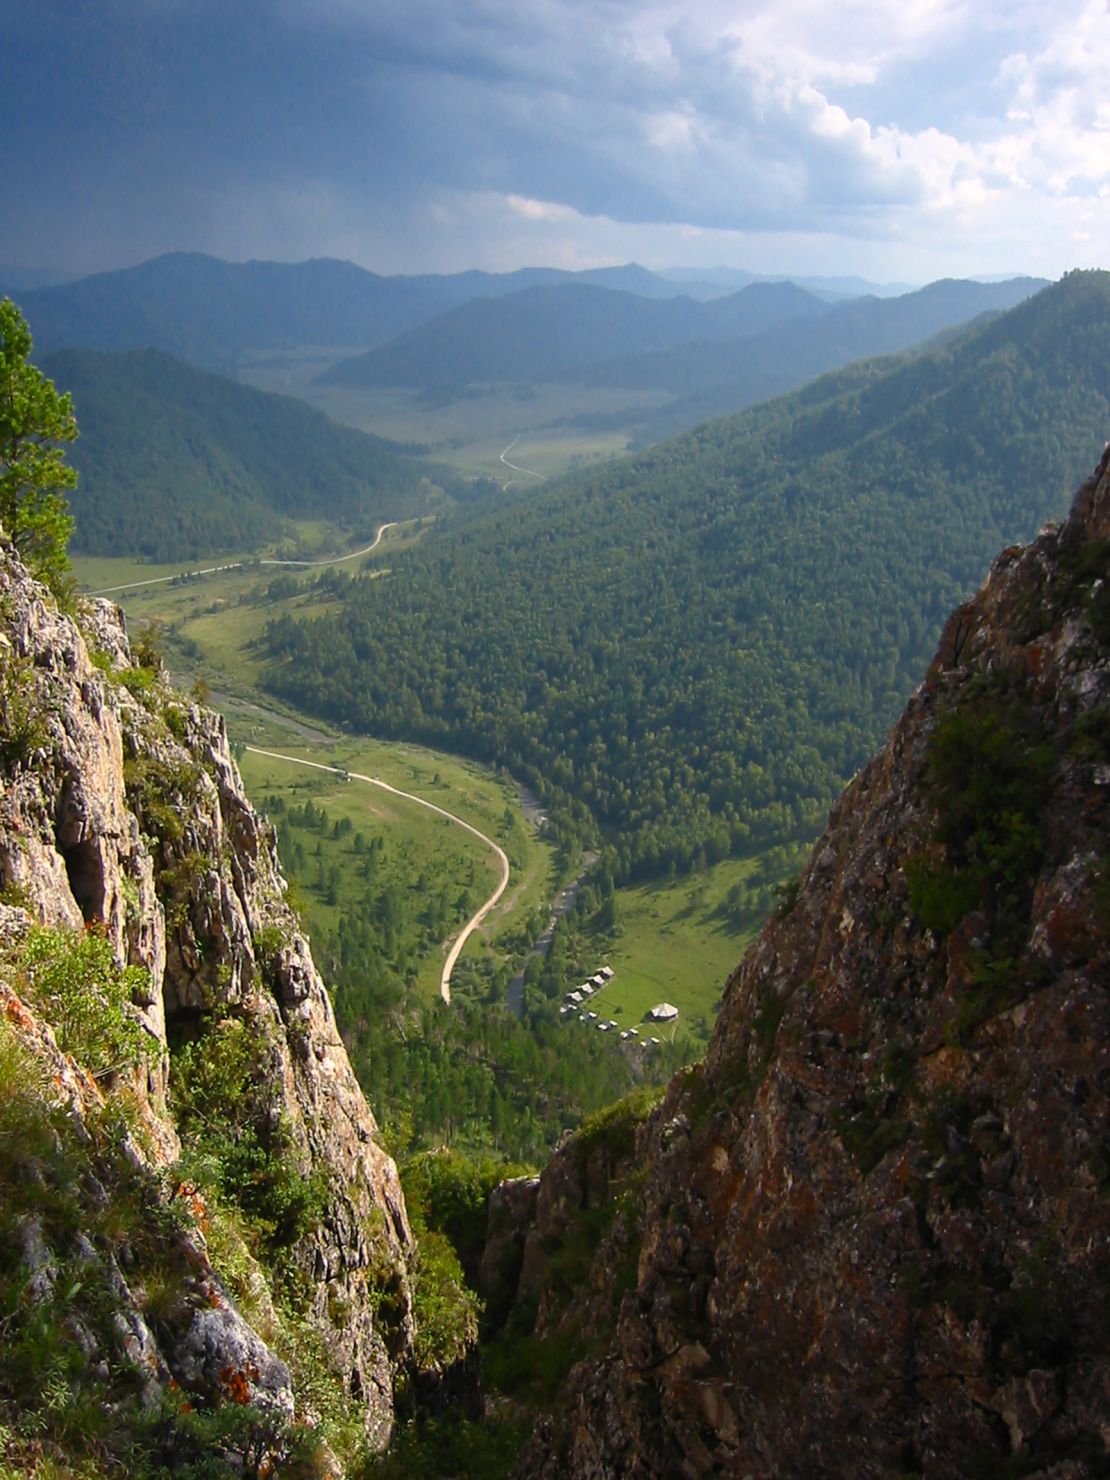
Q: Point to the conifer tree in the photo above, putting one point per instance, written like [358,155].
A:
[34,475]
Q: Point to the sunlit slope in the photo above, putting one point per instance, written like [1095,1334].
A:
[698,646]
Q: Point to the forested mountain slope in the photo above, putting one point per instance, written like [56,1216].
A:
[870,1234]
[176,463]
[714,379]
[700,644]
[540,332]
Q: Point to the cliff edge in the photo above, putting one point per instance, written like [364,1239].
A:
[870,1235]
[205,1245]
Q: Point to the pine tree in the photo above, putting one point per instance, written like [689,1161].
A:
[34,476]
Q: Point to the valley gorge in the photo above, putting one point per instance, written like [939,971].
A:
[868,1235]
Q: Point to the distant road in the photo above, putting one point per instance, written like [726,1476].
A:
[475,919]
[211,570]
[530,472]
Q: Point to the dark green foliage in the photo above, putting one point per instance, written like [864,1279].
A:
[1090,735]
[23,726]
[450,1192]
[34,476]
[177,464]
[443,1199]
[613,1129]
[74,980]
[451,1448]
[988,776]
[696,647]
[531,1368]
[161,793]
[221,1092]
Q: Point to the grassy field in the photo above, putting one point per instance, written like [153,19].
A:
[676,942]
[468,430]
[441,872]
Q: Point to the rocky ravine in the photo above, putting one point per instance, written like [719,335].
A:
[870,1235]
[121,811]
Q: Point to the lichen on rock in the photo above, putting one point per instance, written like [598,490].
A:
[122,813]
[874,1223]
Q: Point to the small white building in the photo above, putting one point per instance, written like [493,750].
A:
[606,973]
[662,1012]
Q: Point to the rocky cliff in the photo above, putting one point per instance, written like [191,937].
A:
[194,1199]
[870,1235]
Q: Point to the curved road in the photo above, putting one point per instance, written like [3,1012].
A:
[475,919]
[211,570]
[531,473]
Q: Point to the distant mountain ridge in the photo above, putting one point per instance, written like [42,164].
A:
[177,463]
[544,332]
[715,358]
[212,312]
[720,630]
[719,379]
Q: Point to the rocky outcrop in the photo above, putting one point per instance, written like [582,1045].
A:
[121,812]
[874,1225]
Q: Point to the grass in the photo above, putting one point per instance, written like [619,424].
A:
[468,431]
[677,945]
[675,942]
[314,539]
[424,854]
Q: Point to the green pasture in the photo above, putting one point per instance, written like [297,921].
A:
[426,853]
[675,942]
[469,428]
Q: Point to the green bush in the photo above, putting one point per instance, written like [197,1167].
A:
[445,1311]
[161,794]
[451,1192]
[23,728]
[221,1091]
[72,977]
[988,776]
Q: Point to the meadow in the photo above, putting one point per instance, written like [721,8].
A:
[673,940]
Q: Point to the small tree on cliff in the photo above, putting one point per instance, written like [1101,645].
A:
[34,475]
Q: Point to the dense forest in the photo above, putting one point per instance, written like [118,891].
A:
[175,463]
[696,647]
[472,1074]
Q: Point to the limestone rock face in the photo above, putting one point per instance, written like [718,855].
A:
[121,809]
[875,1223]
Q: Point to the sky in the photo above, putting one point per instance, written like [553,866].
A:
[902,140]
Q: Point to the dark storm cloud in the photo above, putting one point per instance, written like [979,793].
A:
[266,126]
